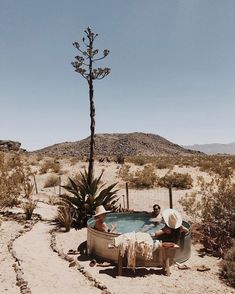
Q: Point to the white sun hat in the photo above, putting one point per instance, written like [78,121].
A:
[172,218]
[100,210]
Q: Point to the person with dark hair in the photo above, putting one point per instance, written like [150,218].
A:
[156,213]
[155,219]
[173,225]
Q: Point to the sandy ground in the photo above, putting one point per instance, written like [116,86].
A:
[47,273]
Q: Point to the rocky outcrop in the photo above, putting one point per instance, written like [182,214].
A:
[6,145]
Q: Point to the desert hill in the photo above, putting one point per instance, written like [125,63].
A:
[129,144]
[214,148]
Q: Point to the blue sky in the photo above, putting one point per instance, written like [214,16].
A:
[172,70]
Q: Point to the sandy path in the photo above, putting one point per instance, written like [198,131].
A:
[43,269]
[8,230]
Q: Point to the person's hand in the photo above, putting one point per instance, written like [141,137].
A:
[113,227]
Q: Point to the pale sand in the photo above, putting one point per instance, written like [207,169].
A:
[46,272]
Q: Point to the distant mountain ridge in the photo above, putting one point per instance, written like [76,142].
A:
[129,144]
[214,148]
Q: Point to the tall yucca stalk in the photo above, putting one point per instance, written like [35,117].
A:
[84,66]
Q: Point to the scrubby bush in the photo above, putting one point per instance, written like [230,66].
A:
[228,267]
[223,166]
[140,179]
[120,159]
[214,209]
[124,173]
[140,160]
[50,165]
[144,178]
[176,180]
[165,163]
[52,181]
[14,179]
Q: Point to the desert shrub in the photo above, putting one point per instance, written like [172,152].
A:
[124,173]
[220,165]
[85,197]
[214,209]
[140,179]
[140,160]
[29,207]
[176,180]
[52,181]
[64,217]
[39,157]
[120,159]
[164,163]
[73,160]
[50,165]
[144,178]
[14,179]
[227,267]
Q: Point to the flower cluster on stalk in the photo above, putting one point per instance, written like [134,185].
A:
[83,63]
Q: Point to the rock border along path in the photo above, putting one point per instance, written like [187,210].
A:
[74,263]
[9,231]
[43,270]
[24,226]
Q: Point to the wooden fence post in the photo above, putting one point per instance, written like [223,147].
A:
[123,198]
[170,197]
[59,185]
[35,184]
[127,196]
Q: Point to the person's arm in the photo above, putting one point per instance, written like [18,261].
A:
[106,228]
[163,231]
[183,229]
[159,233]
[113,228]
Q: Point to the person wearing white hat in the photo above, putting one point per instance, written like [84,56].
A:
[173,223]
[100,225]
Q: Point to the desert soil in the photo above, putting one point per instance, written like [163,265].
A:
[46,271]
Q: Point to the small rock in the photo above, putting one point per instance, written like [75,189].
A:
[73,263]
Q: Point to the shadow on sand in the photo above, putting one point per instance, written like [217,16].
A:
[129,273]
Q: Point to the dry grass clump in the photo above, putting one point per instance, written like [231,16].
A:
[29,207]
[50,165]
[52,181]
[140,179]
[64,217]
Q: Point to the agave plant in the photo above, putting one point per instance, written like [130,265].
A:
[86,197]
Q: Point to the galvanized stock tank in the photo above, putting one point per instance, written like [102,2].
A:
[98,242]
